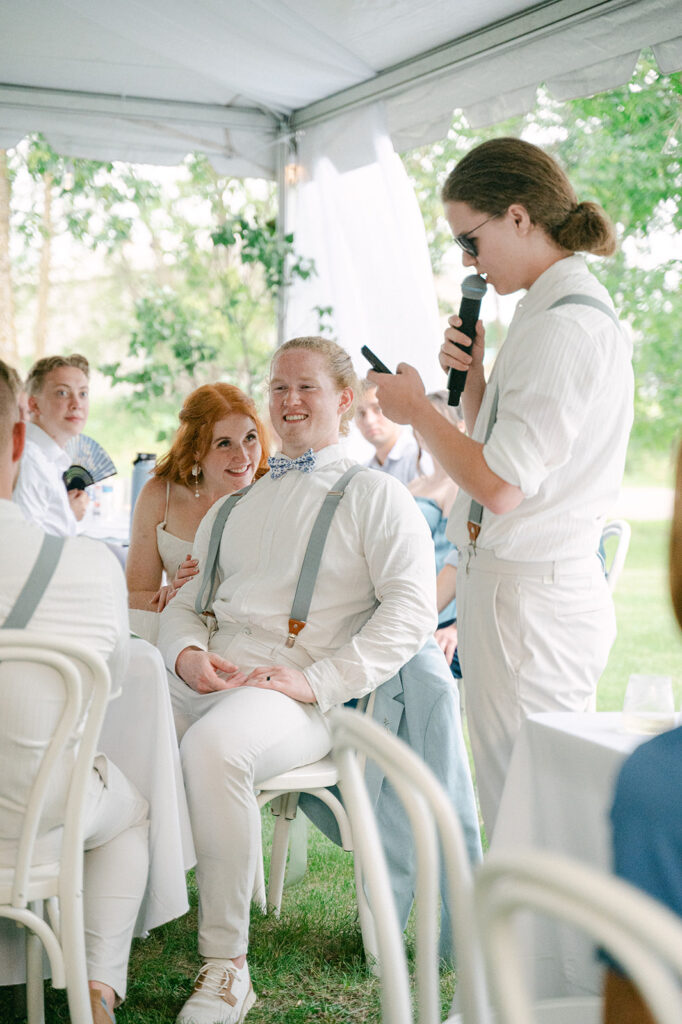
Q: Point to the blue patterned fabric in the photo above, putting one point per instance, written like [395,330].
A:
[281,464]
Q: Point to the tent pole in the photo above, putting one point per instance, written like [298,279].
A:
[283,155]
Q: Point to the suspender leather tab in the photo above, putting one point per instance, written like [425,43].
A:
[295,627]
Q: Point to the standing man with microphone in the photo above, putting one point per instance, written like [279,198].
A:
[544,458]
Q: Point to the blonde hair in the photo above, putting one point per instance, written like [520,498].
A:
[39,371]
[339,367]
[500,172]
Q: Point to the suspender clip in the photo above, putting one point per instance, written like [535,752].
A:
[295,627]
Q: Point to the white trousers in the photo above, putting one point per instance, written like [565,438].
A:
[532,637]
[115,869]
[231,741]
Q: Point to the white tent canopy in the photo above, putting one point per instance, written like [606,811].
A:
[149,80]
[350,81]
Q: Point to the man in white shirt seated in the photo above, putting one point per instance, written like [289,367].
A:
[58,390]
[84,599]
[251,693]
[396,450]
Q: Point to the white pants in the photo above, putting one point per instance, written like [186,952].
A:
[231,741]
[115,869]
[532,637]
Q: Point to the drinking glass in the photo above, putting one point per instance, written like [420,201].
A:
[648,706]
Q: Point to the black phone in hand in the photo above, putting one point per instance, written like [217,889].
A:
[374,360]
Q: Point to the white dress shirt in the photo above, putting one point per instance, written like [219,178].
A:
[86,598]
[565,411]
[40,491]
[404,461]
[374,601]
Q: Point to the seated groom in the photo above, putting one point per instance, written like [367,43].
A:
[250,687]
[85,599]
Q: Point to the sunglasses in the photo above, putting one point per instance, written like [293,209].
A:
[466,243]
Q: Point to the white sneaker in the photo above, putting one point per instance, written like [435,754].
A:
[223,994]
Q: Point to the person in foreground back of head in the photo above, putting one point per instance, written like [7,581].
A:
[645,819]
[58,390]
[85,599]
[543,462]
[251,692]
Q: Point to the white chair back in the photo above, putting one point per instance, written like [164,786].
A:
[53,696]
[620,529]
[435,828]
[641,935]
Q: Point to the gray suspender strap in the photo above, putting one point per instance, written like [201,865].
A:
[36,584]
[476,509]
[313,555]
[204,598]
[311,559]
[586,300]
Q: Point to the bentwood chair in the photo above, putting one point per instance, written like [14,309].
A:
[436,832]
[641,935]
[53,696]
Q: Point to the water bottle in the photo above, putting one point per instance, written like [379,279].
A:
[143,465]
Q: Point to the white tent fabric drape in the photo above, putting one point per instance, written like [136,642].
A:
[363,228]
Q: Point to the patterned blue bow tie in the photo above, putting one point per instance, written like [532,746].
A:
[281,464]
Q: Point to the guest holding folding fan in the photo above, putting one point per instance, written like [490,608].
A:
[220,447]
[58,389]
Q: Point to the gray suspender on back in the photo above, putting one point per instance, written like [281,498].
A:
[476,509]
[311,559]
[36,584]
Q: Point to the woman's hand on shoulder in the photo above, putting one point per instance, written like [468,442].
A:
[186,571]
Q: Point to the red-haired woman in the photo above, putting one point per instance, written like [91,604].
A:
[220,447]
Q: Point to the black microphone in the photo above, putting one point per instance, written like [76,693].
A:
[473,290]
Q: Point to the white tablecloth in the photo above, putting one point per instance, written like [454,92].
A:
[139,736]
[558,796]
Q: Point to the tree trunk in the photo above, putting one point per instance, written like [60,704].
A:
[8,336]
[44,271]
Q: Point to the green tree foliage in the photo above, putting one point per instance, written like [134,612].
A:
[622,149]
[208,312]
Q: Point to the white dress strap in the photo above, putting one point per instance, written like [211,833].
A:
[165,514]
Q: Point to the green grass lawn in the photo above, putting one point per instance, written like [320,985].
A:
[308,965]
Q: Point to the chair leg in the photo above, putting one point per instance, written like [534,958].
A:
[73,944]
[298,851]
[35,995]
[278,860]
[367,929]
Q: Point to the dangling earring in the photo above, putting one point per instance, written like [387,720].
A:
[195,473]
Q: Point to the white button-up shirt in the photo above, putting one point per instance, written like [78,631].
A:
[40,491]
[86,598]
[564,416]
[374,601]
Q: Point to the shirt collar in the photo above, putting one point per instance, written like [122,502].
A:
[48,446]
[10,510]
[550,281]
[326,456]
